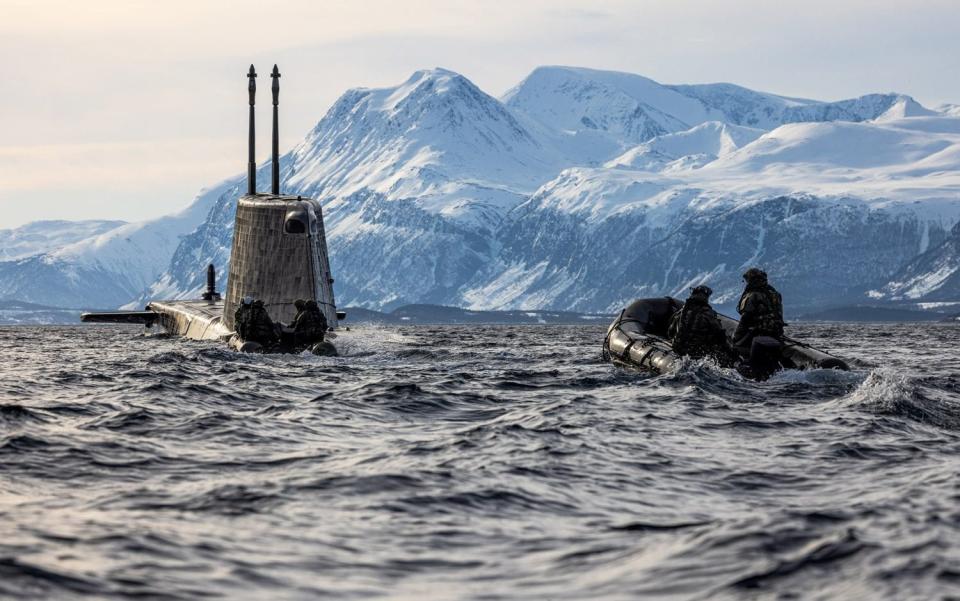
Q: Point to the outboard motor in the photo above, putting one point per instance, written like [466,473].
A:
[765,358]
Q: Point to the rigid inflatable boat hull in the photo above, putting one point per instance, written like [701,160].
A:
[638,339]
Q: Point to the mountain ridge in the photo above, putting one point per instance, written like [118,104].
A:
[436,192]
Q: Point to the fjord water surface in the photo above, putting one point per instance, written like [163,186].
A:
[474,463]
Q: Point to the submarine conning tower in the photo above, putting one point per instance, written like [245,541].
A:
[279,244]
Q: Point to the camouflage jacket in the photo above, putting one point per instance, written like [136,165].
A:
[696,330]
[253,324]
[309,325]
[761,313]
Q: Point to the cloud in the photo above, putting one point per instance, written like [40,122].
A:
[118,180]
[153,81]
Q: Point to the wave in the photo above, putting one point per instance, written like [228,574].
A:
[17,413]
[815,554]
[515,467]
[891,392]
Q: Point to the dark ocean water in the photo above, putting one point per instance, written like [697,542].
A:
[474,463]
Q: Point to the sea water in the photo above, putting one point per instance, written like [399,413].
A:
[478,462]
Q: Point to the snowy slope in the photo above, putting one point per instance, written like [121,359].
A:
[598,114]
[625,109]
[107,269]
[741,106]
[888,144]
[952,110]
[904,162]
[40,237]
[933,276]
[694,147]
[436,137]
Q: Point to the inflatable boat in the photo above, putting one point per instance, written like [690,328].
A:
[324,348]
[638,339]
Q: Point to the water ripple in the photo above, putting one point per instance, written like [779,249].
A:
[479,462]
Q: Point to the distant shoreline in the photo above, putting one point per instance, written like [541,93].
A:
[24,313]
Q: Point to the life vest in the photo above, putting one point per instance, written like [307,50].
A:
[696,330]
[309,325]
[761,312]
[253,323]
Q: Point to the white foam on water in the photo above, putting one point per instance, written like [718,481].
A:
[882,390]
[368,339]
[816,377]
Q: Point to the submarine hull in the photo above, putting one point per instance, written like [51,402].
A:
[197,320]
[638,339]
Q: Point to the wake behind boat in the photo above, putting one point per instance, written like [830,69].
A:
[638,339]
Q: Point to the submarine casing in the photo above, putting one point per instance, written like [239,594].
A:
[279,255]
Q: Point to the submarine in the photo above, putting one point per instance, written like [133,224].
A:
[637,339]
[279,255]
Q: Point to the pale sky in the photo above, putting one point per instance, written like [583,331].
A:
[124,109]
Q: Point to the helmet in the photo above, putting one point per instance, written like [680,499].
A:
[755,274]
[704,291]
[247,300]
[299,304]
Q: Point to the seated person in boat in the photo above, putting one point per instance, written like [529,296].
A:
[695,330]
[760,309]
[309,325]
[253,323]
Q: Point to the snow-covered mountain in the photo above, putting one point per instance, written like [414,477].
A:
[826,208]
[695,147]
[415,181]
[40,237]
[599,110]
[949,109]
[109,268]
[580,189]
[931,277]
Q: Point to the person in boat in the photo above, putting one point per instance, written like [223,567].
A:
[253,323]
[760,309]
[309,325]
[695,329]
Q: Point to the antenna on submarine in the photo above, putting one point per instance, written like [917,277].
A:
[252,160]
[275,183]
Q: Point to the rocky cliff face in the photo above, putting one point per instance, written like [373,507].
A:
[817,251]
[931,277]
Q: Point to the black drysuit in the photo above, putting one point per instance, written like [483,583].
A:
[309,325]
[695,330]
[761,314]
[253,324]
